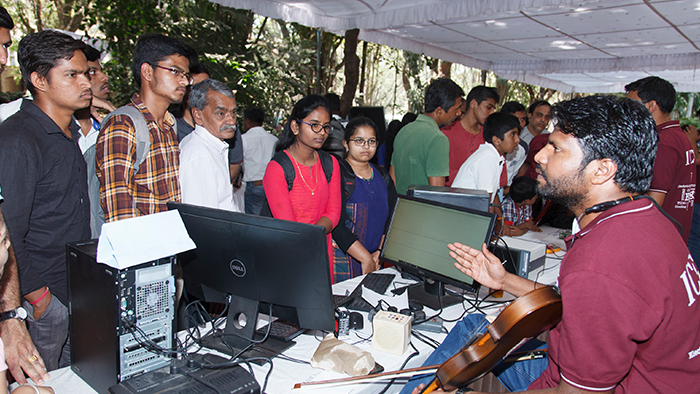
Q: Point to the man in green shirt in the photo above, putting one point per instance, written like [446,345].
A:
[421,151]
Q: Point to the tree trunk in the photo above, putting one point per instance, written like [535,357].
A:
[446,69]
[352,71]
[364,67]
[502,87]
[283,28]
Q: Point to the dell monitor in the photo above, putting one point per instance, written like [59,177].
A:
[417,240]
[252,262]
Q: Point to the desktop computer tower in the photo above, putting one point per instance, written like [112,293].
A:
[112,311]
[519,256]
[467,198]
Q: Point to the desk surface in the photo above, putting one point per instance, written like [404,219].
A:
[286,373]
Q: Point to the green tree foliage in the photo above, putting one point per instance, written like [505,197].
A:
[266,63]
[219,33]
[413,84]
[36,15]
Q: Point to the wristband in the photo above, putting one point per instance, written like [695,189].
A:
[40,298]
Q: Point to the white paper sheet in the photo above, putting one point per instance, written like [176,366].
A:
[125,243]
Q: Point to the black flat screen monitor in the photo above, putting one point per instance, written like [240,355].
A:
[420,231]
[255,259]
[374,113]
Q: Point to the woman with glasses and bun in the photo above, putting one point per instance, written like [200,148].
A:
[314,195]
[369,196]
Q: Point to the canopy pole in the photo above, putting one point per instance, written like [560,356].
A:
[318,61]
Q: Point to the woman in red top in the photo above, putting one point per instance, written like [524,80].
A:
[312,199]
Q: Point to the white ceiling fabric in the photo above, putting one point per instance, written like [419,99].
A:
[583,46]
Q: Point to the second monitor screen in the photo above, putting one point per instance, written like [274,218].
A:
[420,232]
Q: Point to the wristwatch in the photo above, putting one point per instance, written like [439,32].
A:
[17,313]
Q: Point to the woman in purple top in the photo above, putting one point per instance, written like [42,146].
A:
[368,198]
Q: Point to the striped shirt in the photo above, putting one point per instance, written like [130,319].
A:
[156,182]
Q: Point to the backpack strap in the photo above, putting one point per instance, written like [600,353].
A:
[385,175]
[348,176]
[283,160]
[289,174]
[326,163]
[143,136]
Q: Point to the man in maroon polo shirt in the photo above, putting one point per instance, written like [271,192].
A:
[465,134]
[673,183]
[631,304]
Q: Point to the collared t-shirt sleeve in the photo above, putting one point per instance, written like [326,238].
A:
[598,338]
[438,157]
[198,180]
[19,174]
[487,175]
[665,167]
[115,155]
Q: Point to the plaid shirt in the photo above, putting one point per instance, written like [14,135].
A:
[154,184]
[511,212]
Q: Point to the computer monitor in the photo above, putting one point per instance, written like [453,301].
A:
[254,260]
[468,198]
[418,236]
[374,113]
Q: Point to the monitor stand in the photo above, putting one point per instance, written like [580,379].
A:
[240,326]
[427,294]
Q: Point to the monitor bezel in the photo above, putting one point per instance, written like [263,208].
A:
[322,294]
[425,273]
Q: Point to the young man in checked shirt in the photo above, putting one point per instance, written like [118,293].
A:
[517,207]
[161,69]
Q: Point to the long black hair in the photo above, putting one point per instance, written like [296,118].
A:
[301,110]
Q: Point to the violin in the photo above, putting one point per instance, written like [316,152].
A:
[525,318]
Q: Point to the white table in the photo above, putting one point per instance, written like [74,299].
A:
[286,373]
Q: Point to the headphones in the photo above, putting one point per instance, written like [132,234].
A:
[609,204]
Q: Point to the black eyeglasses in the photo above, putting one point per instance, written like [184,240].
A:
[360,142]
[179,74]
[317,127]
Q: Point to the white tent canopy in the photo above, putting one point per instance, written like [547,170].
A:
[573,46]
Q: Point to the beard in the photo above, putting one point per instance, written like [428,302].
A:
[568,190]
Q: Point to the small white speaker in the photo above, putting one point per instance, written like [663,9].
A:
[392,332]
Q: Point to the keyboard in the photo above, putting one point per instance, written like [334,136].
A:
[378,283]
[282,330]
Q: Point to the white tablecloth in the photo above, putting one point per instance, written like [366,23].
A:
[286,373]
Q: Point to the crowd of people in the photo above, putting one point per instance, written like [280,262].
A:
[71,160]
